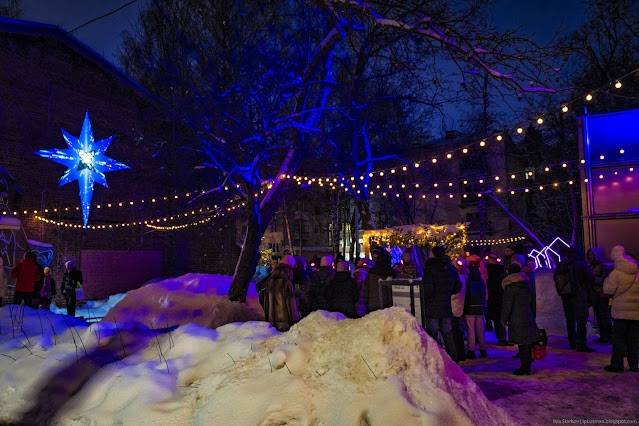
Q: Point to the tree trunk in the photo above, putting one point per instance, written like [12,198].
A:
[365,214]
[250,255]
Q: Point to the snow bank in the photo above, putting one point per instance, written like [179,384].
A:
[381,369]
[92,308]
[192,298]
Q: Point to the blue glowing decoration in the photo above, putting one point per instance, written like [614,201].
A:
[86,162]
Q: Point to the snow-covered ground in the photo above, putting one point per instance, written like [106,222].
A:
[564,385]
[381,369]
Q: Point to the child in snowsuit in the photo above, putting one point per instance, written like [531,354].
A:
[48,289]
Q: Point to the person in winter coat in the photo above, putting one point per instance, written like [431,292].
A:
[48,290]
[381,271]
[517,315]
[457,305]
[508,254]
[26,275]
[4,283]
[302,286]
[344,293]
[409,266]
[37,288]
[280,307]
[359,276]
[496,274]
[440,282]
[574,270]
[600,299]
[71,281]
[321,284]
[623,284]
[474,307]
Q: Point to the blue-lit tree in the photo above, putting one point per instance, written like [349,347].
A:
[264,85]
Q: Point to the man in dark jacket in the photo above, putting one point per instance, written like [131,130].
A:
[344,294]
[375,297]
[71,281]
[321,283]
[517,314]
[600,300]
[26,275]
[496,274]
[440,281]
[574,270]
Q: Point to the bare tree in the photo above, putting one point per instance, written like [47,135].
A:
[11,8]
[256,82]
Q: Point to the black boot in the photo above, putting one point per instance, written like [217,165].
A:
[516,356]
[483,353]
[470,354]
[525,354]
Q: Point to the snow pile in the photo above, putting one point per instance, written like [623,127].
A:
[191,298]
[381,369]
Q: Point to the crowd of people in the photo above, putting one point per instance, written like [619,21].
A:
[461,299]
[36,287]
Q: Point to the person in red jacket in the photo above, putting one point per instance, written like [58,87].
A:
[26,274]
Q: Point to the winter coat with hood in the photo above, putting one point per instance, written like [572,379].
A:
[280,307]
[26,274]
[623,284]
[517,310]
[380,271]
[344,294]
[320,288]
[599,270]
[495,291]
[440,282]
[457,299]
[476,293]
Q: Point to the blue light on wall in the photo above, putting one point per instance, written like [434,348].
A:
[86,162]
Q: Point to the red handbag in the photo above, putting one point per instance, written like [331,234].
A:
[538,352]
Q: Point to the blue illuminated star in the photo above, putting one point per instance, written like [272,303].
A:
[86,162]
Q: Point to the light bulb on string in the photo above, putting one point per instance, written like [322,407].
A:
[449,155]
[499,137]
[482,144]
[540,120]
[564,109]
[589,97]
[465,150]
[520,130]
[618,84]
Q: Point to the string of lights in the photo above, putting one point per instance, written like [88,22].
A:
[494,241]
[185,225]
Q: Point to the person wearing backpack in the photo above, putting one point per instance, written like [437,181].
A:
[573,280]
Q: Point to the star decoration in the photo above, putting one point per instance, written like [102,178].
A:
[86,162]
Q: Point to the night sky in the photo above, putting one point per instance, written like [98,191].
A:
[541,17]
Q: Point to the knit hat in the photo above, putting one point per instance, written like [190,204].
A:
[326,261]
[47,270]
[342,267]
[289,260]
[474,260]
[70,264]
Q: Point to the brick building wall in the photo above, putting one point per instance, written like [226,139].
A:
[106,272]
[48,81]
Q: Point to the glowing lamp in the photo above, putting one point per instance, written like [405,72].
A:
[589,97]
[465,150]
[618,84]
[540,120]
[564,109]
[449,155]
[520,130]
[499,137]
